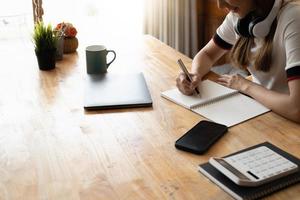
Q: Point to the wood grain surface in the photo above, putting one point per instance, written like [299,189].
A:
[50,148]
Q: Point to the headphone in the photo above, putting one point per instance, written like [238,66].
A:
[254,26]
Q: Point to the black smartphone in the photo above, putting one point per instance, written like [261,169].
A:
[202,136]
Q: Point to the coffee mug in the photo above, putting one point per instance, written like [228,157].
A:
[96,59]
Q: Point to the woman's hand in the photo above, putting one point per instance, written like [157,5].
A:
[236,82]
[185,86]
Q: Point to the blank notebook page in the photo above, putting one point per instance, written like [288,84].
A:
[208,91]
[218,103]
[232,110]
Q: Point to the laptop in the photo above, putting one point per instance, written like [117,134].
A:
[112,90]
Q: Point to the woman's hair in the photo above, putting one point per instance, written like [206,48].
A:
[241,54]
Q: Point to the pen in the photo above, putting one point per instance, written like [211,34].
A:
[189,78]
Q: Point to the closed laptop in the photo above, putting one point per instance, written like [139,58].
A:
[113,90]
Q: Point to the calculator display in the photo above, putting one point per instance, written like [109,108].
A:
[231,168]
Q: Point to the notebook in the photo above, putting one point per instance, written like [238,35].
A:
[112,90]
[218,103]
[249,193]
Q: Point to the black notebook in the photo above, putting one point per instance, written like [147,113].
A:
[249,193]
[113,90]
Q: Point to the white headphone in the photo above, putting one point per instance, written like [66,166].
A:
[251,26]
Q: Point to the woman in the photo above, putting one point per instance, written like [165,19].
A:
[267,46]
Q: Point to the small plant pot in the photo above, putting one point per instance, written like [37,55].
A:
[46,59]
[60,48]
[70,44]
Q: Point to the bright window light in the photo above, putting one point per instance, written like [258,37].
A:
[97,20]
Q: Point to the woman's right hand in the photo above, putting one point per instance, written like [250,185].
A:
[185,86]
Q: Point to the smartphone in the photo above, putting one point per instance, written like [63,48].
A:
[201,137]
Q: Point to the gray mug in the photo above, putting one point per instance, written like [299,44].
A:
[96,59]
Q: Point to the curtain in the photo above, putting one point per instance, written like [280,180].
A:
[37,10]
[174,22]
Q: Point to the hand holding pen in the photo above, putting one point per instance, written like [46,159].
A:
[186,82]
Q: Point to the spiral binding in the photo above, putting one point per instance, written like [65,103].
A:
[214,100]
[273,189]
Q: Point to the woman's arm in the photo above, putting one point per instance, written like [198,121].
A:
[201,65]
[286,105]
[204,60]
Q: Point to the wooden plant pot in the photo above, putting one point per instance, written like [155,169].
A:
[46,59]
[70,44]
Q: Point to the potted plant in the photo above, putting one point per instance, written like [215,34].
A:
[59,44]
[45,42]
[69,33]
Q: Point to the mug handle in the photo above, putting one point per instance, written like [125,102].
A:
[113,58]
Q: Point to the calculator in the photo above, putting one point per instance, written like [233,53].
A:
[254,167]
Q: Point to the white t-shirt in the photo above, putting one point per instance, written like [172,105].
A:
[286,48]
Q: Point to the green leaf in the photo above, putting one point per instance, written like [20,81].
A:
[44,38]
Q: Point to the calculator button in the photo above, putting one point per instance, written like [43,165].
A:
[262,162]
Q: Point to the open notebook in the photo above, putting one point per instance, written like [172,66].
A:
[218,103]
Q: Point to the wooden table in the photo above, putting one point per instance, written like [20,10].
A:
[50,148]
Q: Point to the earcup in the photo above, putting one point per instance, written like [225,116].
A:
[252,25]
[242,25]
